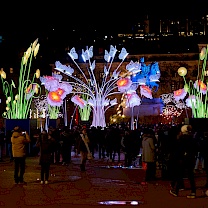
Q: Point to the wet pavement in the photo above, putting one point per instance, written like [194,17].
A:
[101,185]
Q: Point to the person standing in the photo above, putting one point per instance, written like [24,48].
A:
[82,148]
[45,142]
[66,147]
[186,151]
[19,140]
[148,153]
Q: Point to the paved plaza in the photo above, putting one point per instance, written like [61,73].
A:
[68,187]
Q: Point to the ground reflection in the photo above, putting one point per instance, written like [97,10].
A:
[121,202]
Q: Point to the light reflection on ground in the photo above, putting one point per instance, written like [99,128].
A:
[122,167]
[121,202]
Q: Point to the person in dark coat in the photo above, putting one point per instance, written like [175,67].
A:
[45,143]
[67,142]
[185,153]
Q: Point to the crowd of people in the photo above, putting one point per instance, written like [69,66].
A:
[175,149]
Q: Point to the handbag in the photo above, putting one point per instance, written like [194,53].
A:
[89,156]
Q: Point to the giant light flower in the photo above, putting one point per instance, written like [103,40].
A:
[78,101]
[133,100]
[179,94]
[26,89]
[124,84]
[54,99]
[200,86]
[51,83]
[146,91]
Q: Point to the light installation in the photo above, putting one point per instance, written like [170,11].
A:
[196,90]
[19,98]
[99,95]
[170,111]
[174,104]
[145,77]
[56,92]
[85,111]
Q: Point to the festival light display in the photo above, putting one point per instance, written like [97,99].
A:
[19,98]
[56,92]
[173,104]
[170,111]
[98,95]
[197,90]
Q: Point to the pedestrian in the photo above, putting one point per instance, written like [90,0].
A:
[45,142]
[186,151]
[67,140]
[83,148]
[19,140]
[148,153]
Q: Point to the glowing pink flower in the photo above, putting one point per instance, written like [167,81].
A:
[66,87]
[51,83]
[179,94]
[79,101]
[200,86]
[54,99]
[133,100]
[124,84]
[62,93]
[146,91]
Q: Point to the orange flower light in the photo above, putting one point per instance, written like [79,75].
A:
[60,91]
[54,96]
[124,84]
[199,85]
[28,89]
[79,101]
[54,99]
[146,91]
[179,94]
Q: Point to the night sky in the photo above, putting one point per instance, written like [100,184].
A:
[20,24]
[27,19]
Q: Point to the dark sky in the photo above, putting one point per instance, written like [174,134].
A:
[112,14]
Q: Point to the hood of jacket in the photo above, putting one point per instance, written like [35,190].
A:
[16,134]
[147,136]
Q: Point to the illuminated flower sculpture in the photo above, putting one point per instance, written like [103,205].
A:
[197,90]
[18,98]
[98,93]
[56,92]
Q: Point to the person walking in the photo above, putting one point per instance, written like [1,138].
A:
[67,140]
[19,140]
[185,160]
[148,153]
[45,143]
[83,148]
